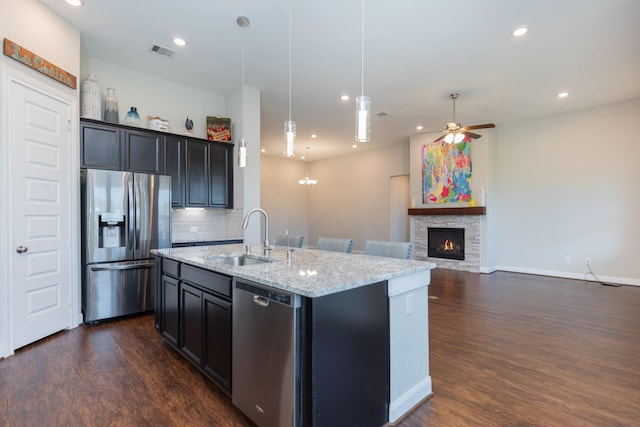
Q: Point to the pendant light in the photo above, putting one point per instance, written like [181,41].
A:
[307,181]
[243,22]
[363,103]
[289,125]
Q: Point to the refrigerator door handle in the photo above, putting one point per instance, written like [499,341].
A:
[137,206]
[128,266]
[132,237]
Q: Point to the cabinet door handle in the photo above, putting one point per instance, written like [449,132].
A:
[22,249]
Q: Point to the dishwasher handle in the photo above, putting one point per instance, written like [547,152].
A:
[261,301]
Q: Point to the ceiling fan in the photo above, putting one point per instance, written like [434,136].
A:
[455,132]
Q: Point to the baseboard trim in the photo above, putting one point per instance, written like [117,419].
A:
[409,399]
[567,275]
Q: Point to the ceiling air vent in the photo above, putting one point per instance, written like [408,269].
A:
[162,51]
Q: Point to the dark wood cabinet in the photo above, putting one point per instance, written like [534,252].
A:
[197,174]
[145,151]
[209,174]
[191,310]
[193,313]
[174,165]
[169,297]
[201,171]
[118,147]
[220,175]
[101,147]
[216,360]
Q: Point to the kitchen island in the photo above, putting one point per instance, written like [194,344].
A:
[359,348]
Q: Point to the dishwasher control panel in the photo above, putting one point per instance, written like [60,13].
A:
[271,294]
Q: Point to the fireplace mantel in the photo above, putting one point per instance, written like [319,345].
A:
[475,210]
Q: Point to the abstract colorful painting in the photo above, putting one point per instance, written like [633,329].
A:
[446,172]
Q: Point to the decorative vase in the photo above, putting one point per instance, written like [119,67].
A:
[111,107]
[133,118]
[91,98]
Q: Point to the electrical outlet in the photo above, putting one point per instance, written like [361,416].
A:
[409,304]
[567,259]
[587,261]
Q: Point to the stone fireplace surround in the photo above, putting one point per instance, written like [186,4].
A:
[468,218]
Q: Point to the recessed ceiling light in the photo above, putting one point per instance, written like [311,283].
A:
[418,127]
[179,42]
[519,32]
[313,135]
[344,97]
[74,2]
[354,146]
[263,150]
[563,94]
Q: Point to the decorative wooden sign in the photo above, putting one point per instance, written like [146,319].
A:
[30,59]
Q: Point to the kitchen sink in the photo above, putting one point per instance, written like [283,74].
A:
[237,260]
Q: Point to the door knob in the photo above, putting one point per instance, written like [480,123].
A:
[22,249]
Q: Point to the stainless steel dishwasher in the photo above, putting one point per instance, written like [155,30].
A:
[265,371]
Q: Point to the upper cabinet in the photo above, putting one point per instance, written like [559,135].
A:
[175,149]
[209,174]
[201,171]
[197,174]
[220,175]
[101,146]
[145,151]
[108,146]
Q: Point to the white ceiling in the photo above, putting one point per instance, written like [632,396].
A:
[416,53]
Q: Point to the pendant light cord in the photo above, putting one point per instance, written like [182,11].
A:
[362,49]
[290,3]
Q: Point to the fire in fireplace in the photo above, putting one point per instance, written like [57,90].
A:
[445,243]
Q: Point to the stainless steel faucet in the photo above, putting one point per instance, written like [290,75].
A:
[267,248]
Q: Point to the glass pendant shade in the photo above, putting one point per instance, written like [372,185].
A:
[242,153]
[290,138]
[449,138]
[459,138]
[363,118]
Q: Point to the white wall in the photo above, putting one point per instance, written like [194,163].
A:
[568,186]
[351,199]
[244,107]
[155,97]
[286,202]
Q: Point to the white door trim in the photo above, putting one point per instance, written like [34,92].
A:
[9,74]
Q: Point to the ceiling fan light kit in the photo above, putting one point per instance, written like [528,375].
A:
[455,133]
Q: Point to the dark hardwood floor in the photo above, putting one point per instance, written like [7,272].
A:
[507,349]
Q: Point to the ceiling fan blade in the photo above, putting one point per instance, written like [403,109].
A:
[440,138]
[471,134]
[484,126]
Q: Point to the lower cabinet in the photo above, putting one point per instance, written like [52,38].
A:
[191,336]
[216,359]
[195,316]
[169,323]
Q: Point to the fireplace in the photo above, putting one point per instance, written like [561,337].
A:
[445,243]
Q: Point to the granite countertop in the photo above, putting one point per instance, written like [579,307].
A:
[311,272]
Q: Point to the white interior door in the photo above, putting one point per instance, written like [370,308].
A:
[39,138]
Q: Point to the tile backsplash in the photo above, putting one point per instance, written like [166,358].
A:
[207,224]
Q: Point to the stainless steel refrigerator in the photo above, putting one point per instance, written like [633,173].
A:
[124,216]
